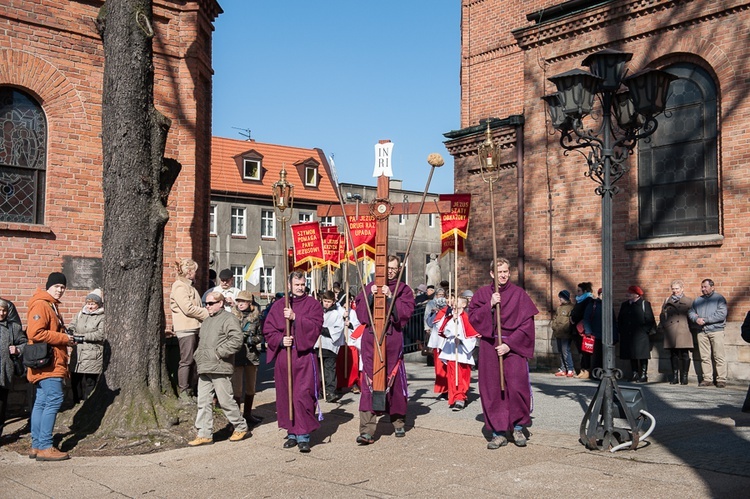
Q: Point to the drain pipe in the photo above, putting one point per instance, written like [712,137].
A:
[521,206]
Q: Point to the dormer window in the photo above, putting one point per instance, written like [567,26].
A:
[251,169]
[311,176]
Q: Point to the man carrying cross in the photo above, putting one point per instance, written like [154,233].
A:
[396,390]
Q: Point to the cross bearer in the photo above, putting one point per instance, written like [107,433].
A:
[396,390]
[382,354]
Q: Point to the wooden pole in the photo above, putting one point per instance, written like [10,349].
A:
[497,286]
[455,297]
[288,322]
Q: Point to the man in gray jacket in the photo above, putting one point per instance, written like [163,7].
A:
[709,312]
[220,338]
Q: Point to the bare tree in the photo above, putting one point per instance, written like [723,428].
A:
[137,180]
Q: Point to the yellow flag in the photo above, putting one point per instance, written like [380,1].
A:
[253,272]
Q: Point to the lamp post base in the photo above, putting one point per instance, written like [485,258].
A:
[597,430]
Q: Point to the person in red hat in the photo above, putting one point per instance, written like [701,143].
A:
[635,323]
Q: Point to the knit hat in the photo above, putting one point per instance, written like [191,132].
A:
[564,294]
[95,296]
[56,278]
[226,274]
[635,290]
[467,293]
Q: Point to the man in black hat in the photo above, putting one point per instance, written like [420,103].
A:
[226,288]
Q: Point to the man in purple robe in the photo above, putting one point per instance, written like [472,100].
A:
[509,410]
[305,314]
[396,390]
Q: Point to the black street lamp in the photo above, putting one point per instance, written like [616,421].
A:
[606,151]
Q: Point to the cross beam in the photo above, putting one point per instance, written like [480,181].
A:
[382,208]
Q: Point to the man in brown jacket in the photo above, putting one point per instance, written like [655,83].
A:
[46,326]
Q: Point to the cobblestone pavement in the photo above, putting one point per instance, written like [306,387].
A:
[700,448]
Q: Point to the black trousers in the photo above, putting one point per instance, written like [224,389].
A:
[3,406]
[329,371]
[82,384]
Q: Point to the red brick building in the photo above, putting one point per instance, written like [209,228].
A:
[51,209]
[679,212]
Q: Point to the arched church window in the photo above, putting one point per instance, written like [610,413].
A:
[678,187]
[23,157]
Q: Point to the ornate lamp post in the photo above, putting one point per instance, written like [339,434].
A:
[283,200]
[624,118]
[489,163]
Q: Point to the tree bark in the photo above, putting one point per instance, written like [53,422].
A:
[136,181]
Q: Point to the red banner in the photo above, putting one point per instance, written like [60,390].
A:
[331,246]
[457,220]
[447,244]
[307,242]
[363,234]
[303,267]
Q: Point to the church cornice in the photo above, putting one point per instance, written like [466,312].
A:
[603,16]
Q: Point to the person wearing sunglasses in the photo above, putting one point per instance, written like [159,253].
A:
[221,338]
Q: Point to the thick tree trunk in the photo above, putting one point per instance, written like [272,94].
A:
[136,183]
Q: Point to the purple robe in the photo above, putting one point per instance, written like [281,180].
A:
[305,329]
[503,410]
[396,396]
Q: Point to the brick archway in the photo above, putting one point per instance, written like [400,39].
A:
[57,96]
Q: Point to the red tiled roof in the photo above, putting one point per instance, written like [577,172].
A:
[227,162]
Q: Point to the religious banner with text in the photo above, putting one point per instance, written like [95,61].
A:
[363,230]
[331,245]
[307,242]
[455,222]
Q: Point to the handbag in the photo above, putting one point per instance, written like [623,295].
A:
[652,329]
[587,345]
[18,368]
[37,355]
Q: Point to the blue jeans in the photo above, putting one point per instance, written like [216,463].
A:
[299,438]
[49,398]
[566,358]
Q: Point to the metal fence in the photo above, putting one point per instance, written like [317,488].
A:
[414,331]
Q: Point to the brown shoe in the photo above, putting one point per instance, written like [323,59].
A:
[51,454]
[238,435]
[721,384]
[705,383]
[200,441]
[33,452]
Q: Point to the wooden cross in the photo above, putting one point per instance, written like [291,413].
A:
[381,208]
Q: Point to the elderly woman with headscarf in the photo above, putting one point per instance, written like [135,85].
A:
[634,323]
[12,341]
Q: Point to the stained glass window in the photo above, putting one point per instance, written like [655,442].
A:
[23,157]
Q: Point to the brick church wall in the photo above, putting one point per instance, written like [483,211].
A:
[506,61]
[52,51]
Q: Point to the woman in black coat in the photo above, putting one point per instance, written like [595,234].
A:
[584,295]
[635,322]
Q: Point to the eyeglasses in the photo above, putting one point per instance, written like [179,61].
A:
[212,302]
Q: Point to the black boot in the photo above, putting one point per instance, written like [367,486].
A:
[675,368]
[636,368]
[643,375]
[247,411]
[684,371]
